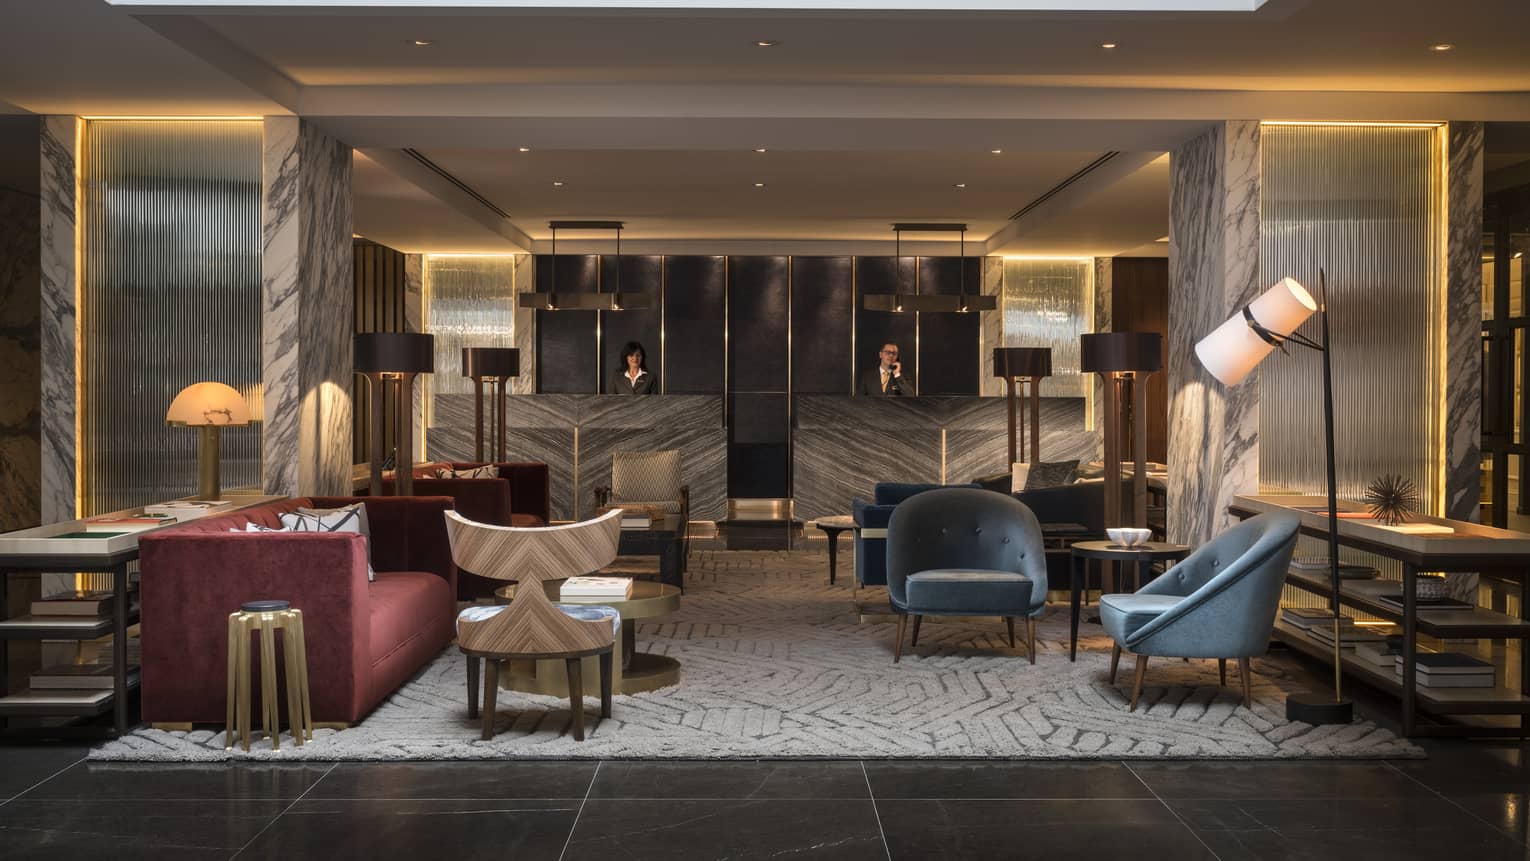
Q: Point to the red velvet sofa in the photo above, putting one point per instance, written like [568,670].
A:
[518,497]
[364,639]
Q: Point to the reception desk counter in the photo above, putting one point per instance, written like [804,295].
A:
[575,435]
[843,446]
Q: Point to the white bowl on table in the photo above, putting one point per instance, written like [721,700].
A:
[1125,536]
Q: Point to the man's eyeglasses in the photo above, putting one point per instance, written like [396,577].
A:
[889,352]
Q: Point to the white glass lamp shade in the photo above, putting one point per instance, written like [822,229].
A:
[1234,349]
[203,404]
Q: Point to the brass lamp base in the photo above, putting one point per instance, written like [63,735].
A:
[207,463]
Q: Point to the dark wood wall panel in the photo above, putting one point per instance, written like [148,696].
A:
[948,343]
[877,275]
[695,322]
[378,276]
[759,422]
[1140,303]
[642,275]
[568,358]
[823,320]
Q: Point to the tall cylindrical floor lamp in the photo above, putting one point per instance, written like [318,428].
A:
[1123,359]
[496,366]
[392,359]
[1017,366]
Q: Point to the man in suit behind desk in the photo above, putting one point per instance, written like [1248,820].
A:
[888,379]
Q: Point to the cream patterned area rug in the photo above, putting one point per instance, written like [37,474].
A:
[774,664]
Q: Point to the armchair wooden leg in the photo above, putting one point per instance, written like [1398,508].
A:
[1243,670]
[1115,661]
[605,685]
[915,640]
[1009,623]
[472,673]
[1030,638]
[576,695]
[490,693]
[1221,672]
[898,645]
[1137,683]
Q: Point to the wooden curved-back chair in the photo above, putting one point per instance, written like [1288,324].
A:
[532,627]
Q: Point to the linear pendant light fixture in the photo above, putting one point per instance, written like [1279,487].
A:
[931,303]
[552,300]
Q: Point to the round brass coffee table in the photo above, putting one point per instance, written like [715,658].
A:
[632,671]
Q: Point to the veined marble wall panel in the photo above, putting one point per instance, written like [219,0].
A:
[1463,322]
[1049,303]
[832,466]
[993,328]
[1104,297]
[1213,271]
[414,321]
[525,326]
[307,274]
[20,355]
[57,145]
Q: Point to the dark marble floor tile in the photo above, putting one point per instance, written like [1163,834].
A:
[1041,780]
[734,780]
[1299,780]
[116,828]
[445,780]
[1054,830]
[736,830]
[105,780]
[22,767]
[1509,812]
[524,830]
[1470,767]
[1360,845]
[1416,813]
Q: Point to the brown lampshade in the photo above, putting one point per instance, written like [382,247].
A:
[395,353]
[1022,362]
[1113,352]
[502,362]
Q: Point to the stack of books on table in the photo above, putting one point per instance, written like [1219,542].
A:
[188,509]
[1319,565]
[1449,670]
[1350,634]
[597,587]
[1379,656]
[139,523]
[80,603]
[1395,601]
[1307,618]
[78,677]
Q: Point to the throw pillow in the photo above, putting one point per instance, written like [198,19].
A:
[1055,474]
[351,518]
[490,471]
[256,527]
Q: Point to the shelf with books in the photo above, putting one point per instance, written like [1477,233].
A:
[1371,596]
[31,702]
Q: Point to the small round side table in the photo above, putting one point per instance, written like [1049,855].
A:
[832,527]
[1144,555]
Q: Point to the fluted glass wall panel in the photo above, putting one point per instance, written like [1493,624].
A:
[170,295]
[469,302]
[1364,204]
[1050,303]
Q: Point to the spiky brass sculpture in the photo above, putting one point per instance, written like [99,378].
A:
[1392,498]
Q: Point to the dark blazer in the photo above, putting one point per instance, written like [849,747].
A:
[871,384]
[647,383]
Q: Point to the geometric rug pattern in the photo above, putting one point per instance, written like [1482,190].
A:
[775,665]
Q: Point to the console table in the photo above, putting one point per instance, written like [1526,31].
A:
[1496,553]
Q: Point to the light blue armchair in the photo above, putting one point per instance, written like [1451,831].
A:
[965,552]
[1220,602]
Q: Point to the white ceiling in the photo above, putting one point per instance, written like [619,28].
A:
[649,115]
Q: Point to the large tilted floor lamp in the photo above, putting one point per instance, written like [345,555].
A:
[1017,366]
[1230,353]
[496,366]
[1123,360]
[392,359]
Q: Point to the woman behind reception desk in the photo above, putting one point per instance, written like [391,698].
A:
[633,377]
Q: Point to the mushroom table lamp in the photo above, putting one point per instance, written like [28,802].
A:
[209,407]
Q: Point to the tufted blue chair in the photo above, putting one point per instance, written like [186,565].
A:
[965,552]
[1220,602]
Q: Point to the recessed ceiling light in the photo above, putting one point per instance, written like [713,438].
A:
[961,185]
[765,43]
[558,183]
[421,43]
[760,149]
[524,148]
[1441,47]
[1108,45]
[759,185]
[996,151]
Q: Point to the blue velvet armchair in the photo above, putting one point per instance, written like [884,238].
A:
[871,533]
[1220,602]
[965,552]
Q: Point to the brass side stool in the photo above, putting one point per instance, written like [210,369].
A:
[266,617]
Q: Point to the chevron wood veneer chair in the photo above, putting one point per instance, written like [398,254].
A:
[532,627]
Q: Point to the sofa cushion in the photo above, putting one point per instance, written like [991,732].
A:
[1124,615]
[405,605]
[488,471]
[582,612]
[1054,474]
[967,590]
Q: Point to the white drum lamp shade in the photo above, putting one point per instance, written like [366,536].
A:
[1234,349]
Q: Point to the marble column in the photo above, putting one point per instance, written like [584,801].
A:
[57,144]
[525,326]
[1213,271]
[992,332]
[414,321]
[1462,459]
[1104,276]
[20,340]
[306,308]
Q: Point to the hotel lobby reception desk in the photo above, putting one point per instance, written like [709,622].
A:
[842,446]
